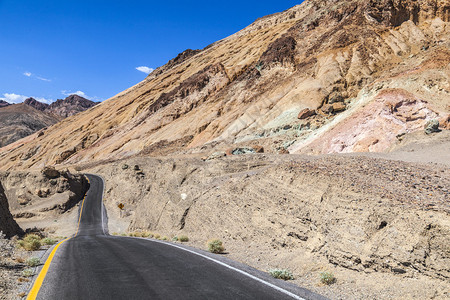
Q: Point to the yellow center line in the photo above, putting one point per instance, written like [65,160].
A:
[40,279]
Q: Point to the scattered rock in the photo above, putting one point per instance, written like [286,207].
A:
[243,150]
[306,113]
[432,126]
[335,97]
[327,109]
[43,193]
[283,151]
[338,107]
[50,172]
[258,149]
[124,166]
[23,199]
[444,122]
[216,155]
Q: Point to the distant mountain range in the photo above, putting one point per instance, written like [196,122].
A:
[20,120]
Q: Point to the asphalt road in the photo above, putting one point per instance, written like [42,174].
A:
[95,265]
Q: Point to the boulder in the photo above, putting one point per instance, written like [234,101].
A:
[258,149]
[216,155]
[432,126]
[8,226]
[23,199]
[327,109]
[243,150]
[444,122]
[338,107]
[283,151]
[50,172]
[306,113]
[335,97]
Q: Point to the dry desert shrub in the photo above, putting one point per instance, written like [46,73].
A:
[327,278]
[31,242]
[215,246]
[281,274]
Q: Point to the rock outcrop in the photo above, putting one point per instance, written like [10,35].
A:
[3,103]
[8,226]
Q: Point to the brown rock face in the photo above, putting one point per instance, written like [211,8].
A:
[3,103]
[36,104]
[7,224]
[306,113]
[251,87]
[70,106]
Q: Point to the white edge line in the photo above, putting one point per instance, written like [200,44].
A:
[101,204]
[229,267]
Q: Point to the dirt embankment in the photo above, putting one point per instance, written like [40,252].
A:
[380,226]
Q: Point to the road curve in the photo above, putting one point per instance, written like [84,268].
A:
[95,265]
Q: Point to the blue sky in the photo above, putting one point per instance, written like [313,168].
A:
[50,49]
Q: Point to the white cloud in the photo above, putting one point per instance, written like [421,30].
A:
[15,98]
[145,69]
[43,79]
[29,74]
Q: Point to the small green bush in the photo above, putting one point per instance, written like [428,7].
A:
[27,273]
[281,274]
[31,242]
[165,238]
[31,237]
[327,278]
[175,239]
[48,241]
[215,246]
[183,238]
[33,262]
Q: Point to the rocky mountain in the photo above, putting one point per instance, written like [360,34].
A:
[3,103]
[64,108]
[70,106]
[20,120]
[36,104]
[325,76]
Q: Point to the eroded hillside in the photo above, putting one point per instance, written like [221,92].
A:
[321,77]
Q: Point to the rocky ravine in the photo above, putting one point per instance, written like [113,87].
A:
[380,226]
[322,77]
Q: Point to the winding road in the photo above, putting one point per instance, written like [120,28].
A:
[95,265]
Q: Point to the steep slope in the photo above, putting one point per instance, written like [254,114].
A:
[20,120]
[341,60]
